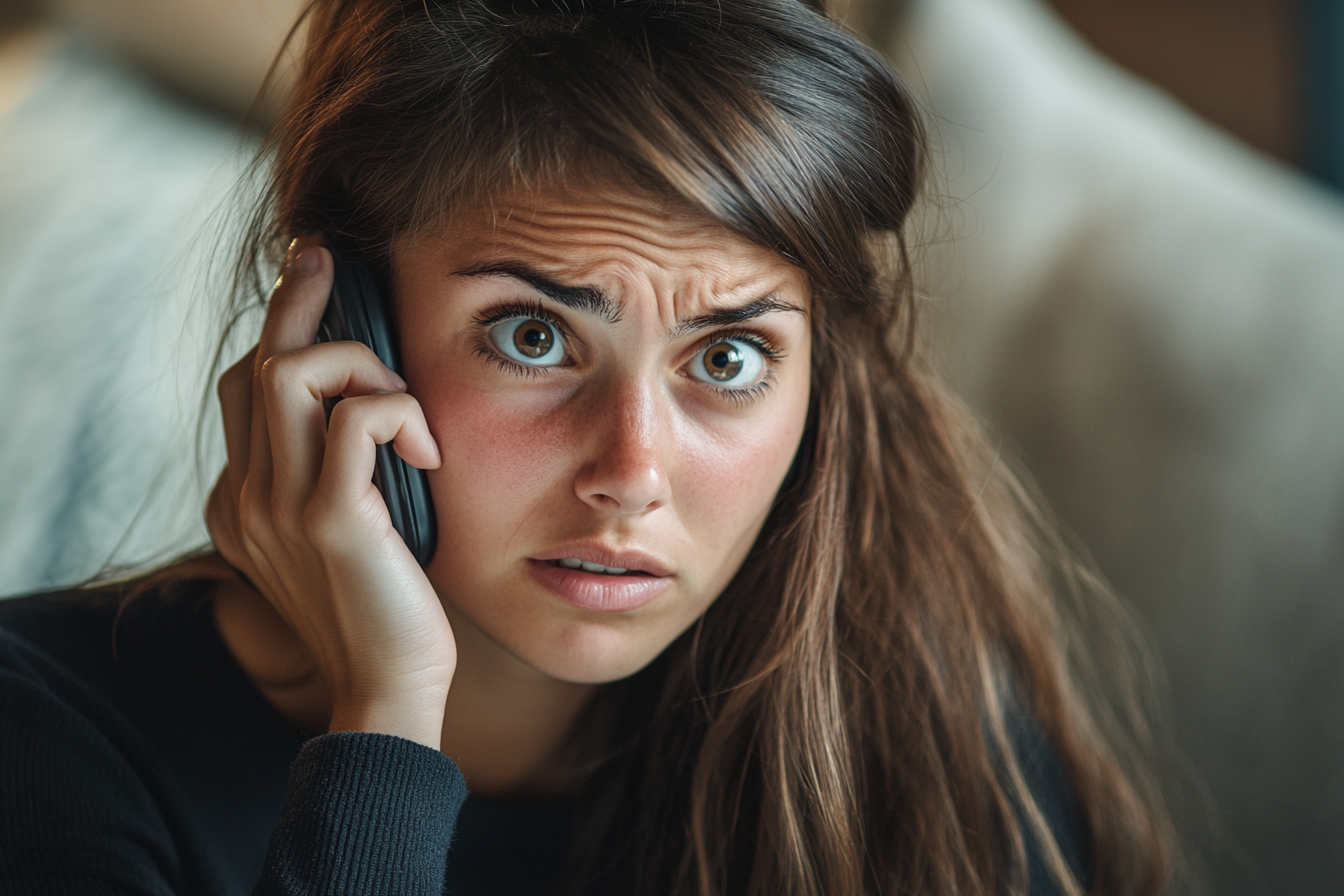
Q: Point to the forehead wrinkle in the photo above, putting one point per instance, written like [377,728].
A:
[706,282]
[540,243]
[628,224]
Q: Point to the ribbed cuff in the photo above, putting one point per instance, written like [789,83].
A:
[364,814]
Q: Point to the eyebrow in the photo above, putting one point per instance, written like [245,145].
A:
[590,300]
[727,317]
[580,298]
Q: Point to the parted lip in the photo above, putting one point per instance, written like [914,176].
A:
[633,560]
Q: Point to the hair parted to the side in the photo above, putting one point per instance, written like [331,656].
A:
[842,720]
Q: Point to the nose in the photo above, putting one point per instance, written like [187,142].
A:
[630,437]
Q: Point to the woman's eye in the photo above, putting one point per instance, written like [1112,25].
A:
[529,340]
[733,363]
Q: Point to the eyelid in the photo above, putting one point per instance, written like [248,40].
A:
[521,308]
[492,316]
[741,395]
[525,308]
[758,340]
[531,308]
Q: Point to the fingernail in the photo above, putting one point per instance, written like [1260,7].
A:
[300,262]
[305,263]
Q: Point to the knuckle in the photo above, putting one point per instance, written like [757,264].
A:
[399,401]
[281,373]
[220,517]
[364,354]
[350,413]
[254,514]
[234,379]
[274,370]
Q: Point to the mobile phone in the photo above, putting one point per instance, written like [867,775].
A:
[358,310]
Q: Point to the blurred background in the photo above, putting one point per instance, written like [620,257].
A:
[1133,266]
[1270,72]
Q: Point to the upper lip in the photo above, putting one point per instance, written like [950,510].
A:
[637,561]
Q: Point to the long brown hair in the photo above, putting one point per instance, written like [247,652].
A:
[850,715]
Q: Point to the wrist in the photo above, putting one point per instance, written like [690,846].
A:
[416,720]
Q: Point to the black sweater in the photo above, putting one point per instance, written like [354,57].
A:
[136,758]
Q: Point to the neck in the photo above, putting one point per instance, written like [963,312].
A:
[505,724]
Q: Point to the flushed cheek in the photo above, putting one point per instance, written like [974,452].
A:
[728,485]
[500,457]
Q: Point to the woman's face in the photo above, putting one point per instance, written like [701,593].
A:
[610,382]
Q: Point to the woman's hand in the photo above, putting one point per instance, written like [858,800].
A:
[296,511]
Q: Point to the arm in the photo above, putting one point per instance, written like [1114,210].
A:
[296,512]
[88,810]
[365,813]
[371,805]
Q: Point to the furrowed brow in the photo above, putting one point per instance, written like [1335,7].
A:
[581,298]
[727,317]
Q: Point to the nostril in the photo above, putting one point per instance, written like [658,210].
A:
[625,470]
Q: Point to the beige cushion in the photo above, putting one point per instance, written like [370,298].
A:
[1153,315]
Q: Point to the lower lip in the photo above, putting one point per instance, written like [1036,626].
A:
[597,591]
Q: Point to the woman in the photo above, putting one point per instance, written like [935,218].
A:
[724,597]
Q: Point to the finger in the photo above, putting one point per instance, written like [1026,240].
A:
[235,402]
[295,385]
[357,426]
[299,298]
[221,521]
[291,322]
[221,510]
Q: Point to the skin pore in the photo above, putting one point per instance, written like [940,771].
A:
[609,378]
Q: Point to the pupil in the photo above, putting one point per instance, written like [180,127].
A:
[533,338]
[724,362]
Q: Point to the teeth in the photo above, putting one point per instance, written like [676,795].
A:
[573,563]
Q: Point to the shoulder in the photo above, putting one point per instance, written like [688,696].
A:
[131,729]
[73,792]
[68,630]
[97,641]
[1054,797]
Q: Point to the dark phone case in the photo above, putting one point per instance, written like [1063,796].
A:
[357,311]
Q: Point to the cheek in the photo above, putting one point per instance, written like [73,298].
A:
[729,482]
[499,456]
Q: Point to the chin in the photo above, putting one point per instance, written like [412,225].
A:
[592,652]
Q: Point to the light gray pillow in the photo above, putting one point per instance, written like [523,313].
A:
[109,202]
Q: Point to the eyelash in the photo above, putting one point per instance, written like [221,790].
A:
[757,341]
[509,310]
[521,308]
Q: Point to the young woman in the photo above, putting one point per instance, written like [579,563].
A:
[725,596]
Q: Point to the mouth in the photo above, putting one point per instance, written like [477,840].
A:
[593,577]
[596,568]
[601,560]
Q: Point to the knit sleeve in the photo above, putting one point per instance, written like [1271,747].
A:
[85,810]
[1057,802]
[365,813]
